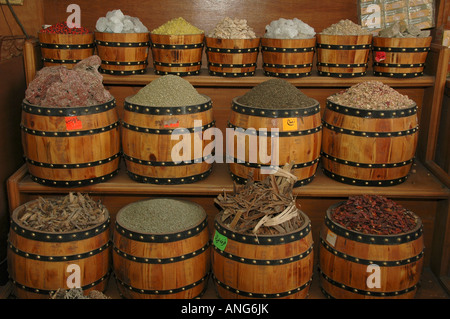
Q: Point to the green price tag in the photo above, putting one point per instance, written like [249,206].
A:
[220,241]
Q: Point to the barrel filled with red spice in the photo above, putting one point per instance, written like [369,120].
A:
[370,248]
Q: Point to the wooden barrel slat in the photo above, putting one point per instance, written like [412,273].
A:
[298,143]
[275,266]
[58,152]
[343,262]
[38,265]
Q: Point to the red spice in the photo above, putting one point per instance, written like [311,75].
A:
[62,28]
[375,215]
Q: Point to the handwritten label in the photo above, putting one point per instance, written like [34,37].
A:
[331,238]
[289,124]
[220,241]
[73,123]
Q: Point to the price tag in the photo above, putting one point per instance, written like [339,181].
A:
[331,238]
[73,123]
[220,241]
[289,124]
[380,56]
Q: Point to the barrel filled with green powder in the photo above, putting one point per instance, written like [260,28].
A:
[161,249]
[274,124]
[161,133]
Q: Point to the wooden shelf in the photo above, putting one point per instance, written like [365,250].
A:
[205,80]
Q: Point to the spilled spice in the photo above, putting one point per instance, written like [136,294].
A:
[376,215]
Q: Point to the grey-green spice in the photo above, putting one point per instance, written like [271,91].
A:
[276,94]
[161,216]
[168,90]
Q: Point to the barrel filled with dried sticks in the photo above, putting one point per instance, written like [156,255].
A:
[263,246]
[274,124]
[161,250]
[59,243]
[370,248]
[369,135]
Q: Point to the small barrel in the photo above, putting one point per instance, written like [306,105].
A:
[160,265]
[65,49]
[148,146]
[345,255]
[283,135]
[71,146]
[232,57]
[123,53]
[343,56]
[288,58]
[177,54]
[264,266]
[400,57]
[386,144]
[38,261]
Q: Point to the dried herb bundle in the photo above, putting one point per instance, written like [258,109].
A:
[77,293]
[263,208]
[66,214]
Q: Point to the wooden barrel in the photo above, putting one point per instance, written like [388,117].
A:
[368,147]
[161,266]
[263,266]
[177,54]
[71,146]
[297,139]
[38,261]
[148,145]
[343,56]
[288,58]
[232,57]
[345,255]
[123,53]
[400,57]
[65,49]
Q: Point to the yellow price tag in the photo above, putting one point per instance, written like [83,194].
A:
[289,124]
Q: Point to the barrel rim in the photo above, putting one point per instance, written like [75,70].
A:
[275,113]
[122,34]
[373,238]
[67,111]
[279,239]
[358,112]
[31,233]
[156,237]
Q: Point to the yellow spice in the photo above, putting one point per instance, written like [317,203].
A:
[177,26]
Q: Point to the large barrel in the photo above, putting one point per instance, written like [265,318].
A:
[38,261]
[71,146]
[345,255]
[343,56]
[123,53]
[177,54]
[148,145]
[296,139]
[368,147]
[400,57]
[288,58]
[263,266]
[232,57]
[65,49]
[161,265]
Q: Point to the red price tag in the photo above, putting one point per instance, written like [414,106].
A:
[73,123]
[380,56]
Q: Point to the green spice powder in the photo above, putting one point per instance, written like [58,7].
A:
[276,94]
[161,216]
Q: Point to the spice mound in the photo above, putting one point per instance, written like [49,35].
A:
[401,30]
[161,216]
[77,293]
[63,28]
[372,95]
[289,29]
[235,28]
[263,208]
[375,215]
[117,22]
[276,94]
[168,90]
[70,213]
[57,86]
[345,27]
[177,26]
